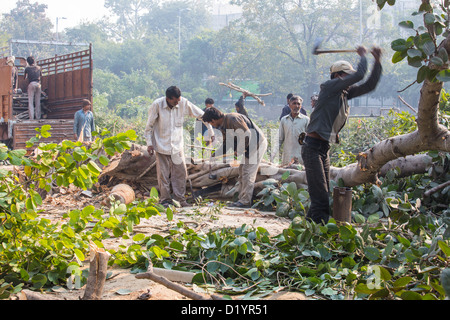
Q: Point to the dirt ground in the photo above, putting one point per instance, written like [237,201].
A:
[122,285]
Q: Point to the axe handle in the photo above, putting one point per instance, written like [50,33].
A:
[333,51]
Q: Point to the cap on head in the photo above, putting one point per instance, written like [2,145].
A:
[342,66]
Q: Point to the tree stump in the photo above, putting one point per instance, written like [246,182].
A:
[97,273]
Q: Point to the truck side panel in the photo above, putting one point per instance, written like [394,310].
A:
[5,93]
[5,101]
[24,130]
[67,80]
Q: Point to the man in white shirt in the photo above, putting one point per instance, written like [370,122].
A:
[164,136]
[291,127]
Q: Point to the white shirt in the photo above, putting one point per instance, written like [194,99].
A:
[290,130]
[164,128]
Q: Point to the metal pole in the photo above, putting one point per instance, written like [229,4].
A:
[179,35]
[57,37]
[360,23]
[57,34]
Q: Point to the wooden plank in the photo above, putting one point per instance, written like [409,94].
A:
[68,85]
[5,93]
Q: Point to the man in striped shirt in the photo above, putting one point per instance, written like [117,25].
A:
[164,136]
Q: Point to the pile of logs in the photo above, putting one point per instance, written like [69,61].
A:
[136,167]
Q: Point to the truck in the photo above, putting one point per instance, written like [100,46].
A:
[66,80]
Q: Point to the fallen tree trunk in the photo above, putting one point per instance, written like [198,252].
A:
[133,166]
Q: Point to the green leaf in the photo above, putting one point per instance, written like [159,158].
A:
[177,245]
[372,253]
[123,292]
[93,167]
[39,280]
[364,288]
[154,193]
[285,175]
[443,75]
[443,54]
[406,24]
[444,247]
[415,62]
[429,18]
[404,241]
[411,295]
[398,56]
[282,209]
[422,74]
[103,160]
[139,237]
[428,47]
[347,232]
[402,282]
[79,254]
[437,61]
[412,53]
[399,45]
[292,189]
[388,250]
[169,214]
[110,151]
[384,273]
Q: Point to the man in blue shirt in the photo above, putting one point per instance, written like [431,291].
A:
[84,122]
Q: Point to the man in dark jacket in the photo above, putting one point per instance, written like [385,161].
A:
[329,115]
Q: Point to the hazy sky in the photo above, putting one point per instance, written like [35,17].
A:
[76,11]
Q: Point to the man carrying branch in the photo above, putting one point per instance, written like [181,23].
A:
[326,121]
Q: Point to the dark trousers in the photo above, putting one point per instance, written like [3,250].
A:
[316,159]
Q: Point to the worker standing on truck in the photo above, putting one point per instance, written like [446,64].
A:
[33,73]
[83,124]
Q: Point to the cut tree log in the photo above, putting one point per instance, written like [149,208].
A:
[97,273]
[31,295]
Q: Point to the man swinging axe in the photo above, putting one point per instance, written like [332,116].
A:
[326,121]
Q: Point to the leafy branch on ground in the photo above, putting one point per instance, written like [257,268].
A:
[396,248]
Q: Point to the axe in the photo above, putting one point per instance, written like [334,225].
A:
[316,50]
